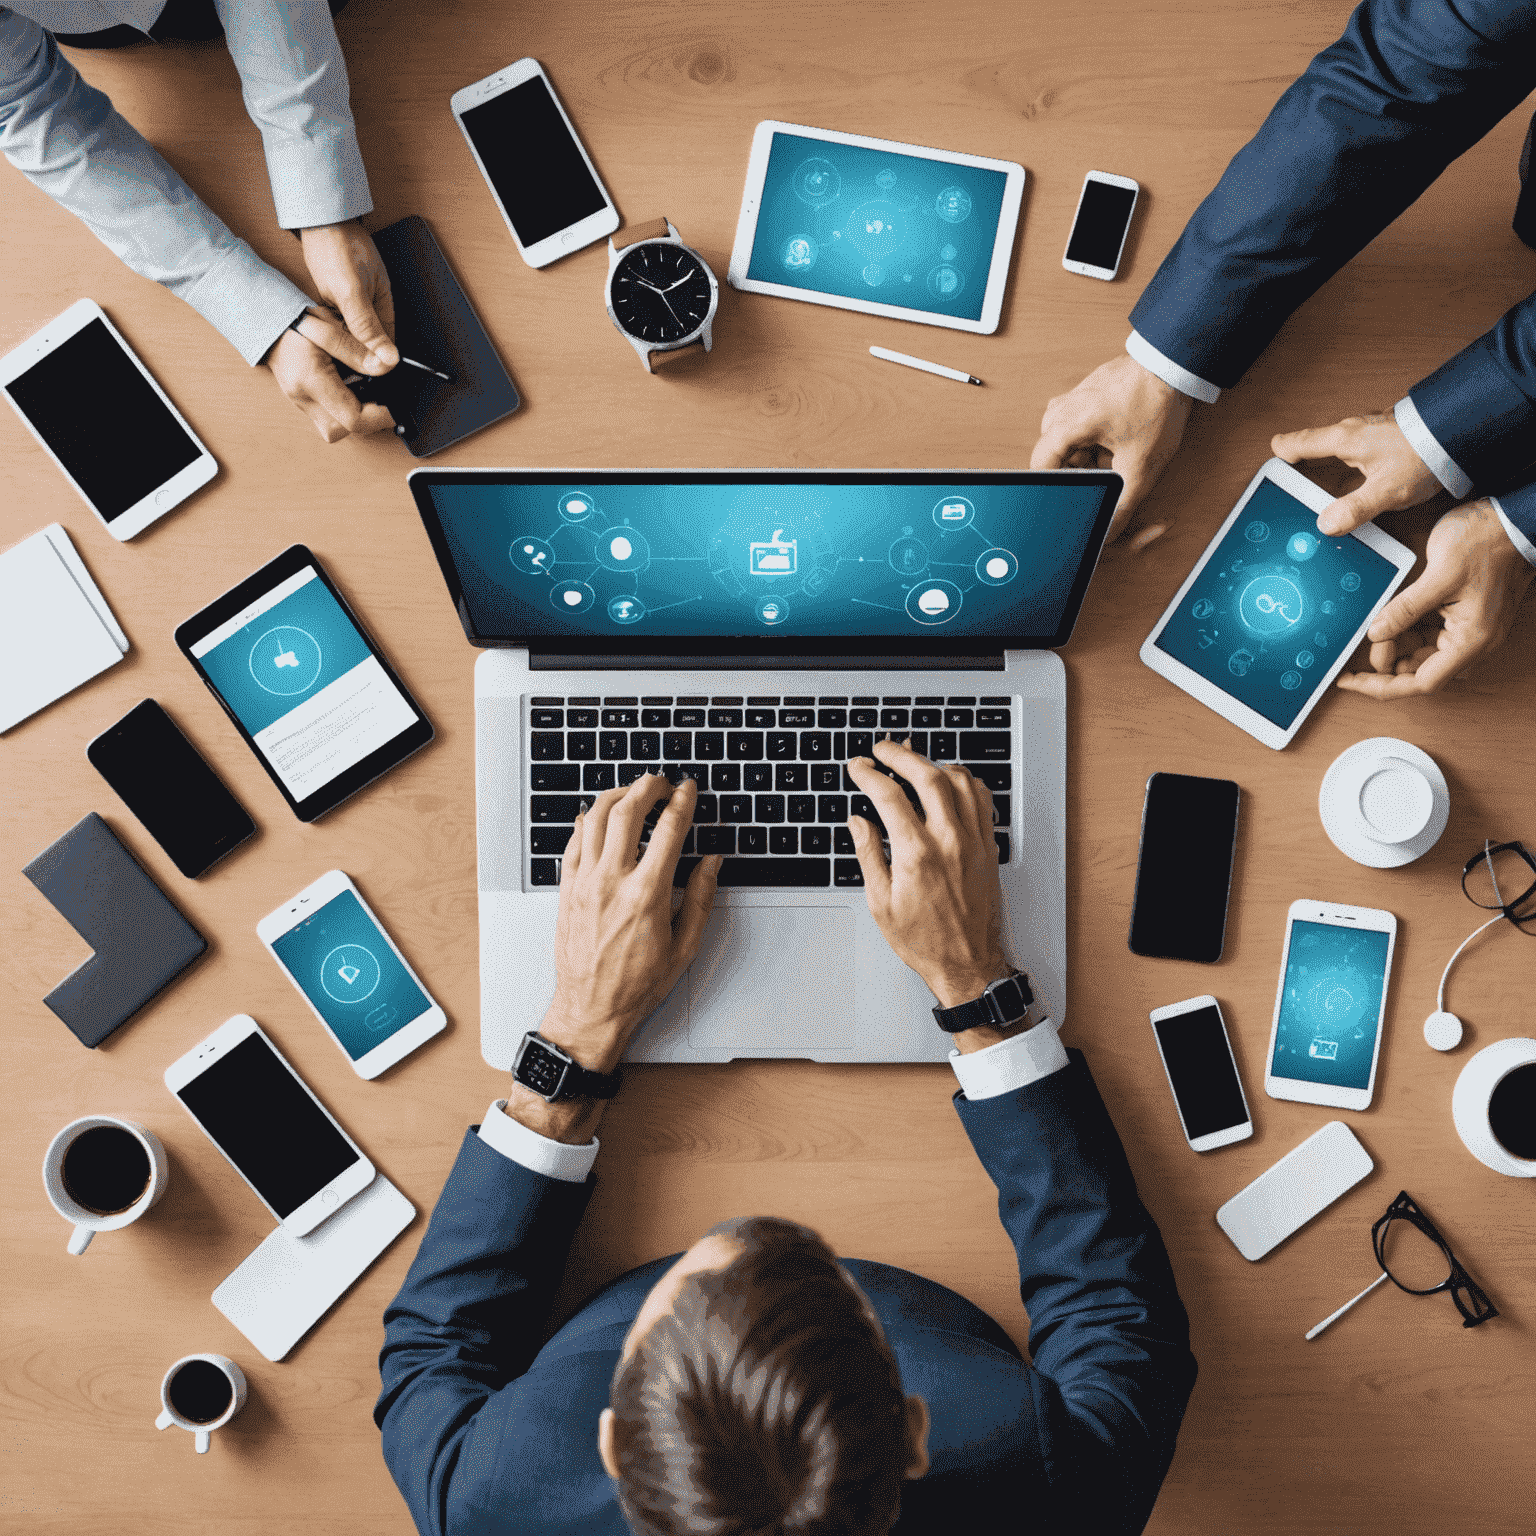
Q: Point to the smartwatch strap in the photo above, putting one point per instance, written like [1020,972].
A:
[656,229]
[1004,1002]
[579,1082]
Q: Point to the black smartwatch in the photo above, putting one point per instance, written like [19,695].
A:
[543,1068]
[1004,1002]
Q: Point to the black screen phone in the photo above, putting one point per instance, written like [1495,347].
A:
[164,781]
[1188,830]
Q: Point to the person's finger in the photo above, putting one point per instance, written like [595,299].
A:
[571,861]
[1413,603]
[1331,442]
[871,856]
[332,336]
[890,803]
[931,783]
[698,901]
[974,815]
[1147,535]
[1357,508]
[1433,675]
[1052,449]
[660,857]
[595,821]
[622,842]
[1413,662]
[363,321]
[384,307]
[323,385]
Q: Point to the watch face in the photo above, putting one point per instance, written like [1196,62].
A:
[660,292]
[540,1069]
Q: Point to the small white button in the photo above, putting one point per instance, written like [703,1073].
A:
[162,498]
[330,1197]
[568,238]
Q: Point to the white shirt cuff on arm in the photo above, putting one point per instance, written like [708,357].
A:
[1516,538]
[538,1154]
[1424,443]
[246,301]
[1011,1063]
[1170,373]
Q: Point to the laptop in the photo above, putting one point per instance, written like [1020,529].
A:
[754,629]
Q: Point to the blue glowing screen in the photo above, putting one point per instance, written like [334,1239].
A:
[806,559]
[1331,1008]
[351,975]
[1275,606]
[869,224]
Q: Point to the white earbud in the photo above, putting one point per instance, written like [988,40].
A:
[1443,1030]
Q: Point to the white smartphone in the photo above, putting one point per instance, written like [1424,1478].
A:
[266,1120]
[538,171]
[1197,1055]
[1273,608]
[356,982]
[102,418]
[1330,1005]
[1100,225]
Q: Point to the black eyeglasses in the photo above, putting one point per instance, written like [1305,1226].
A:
[1490,878]
[1416,1259]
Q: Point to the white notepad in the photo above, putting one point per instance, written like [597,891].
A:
[54,620]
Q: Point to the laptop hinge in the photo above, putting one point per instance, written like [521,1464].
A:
[539,661]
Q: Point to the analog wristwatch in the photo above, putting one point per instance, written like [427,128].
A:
[540,1065]
[1004,1002]
[661,294]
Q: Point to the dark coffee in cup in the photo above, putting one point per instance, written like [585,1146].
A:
[200,1392]
[1512,1112]
[106,1169]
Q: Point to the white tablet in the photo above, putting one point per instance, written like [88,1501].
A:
[1267,619]
[870,224]
[101,417]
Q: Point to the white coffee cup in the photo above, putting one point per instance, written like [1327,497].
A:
[1472,1104]
[202,1429]
[87,1221]
[1389,800]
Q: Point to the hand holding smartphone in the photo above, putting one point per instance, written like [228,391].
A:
[356,982]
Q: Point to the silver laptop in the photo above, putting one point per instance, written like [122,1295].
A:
[754,629]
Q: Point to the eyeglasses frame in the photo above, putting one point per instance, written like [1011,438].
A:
[1508,909]
[1404,1209]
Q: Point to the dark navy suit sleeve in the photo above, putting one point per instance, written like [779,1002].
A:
[470,1316]
[1376,117]
[1519,506]
[1108,1334]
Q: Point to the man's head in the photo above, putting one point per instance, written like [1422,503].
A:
[756,1392]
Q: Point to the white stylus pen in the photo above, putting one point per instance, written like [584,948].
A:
[922,366]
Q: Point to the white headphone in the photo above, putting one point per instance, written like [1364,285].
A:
[1441,1029]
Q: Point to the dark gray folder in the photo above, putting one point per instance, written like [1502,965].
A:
[142,942]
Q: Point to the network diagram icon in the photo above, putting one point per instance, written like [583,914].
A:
[775,556]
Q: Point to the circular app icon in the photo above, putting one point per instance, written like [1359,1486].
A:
[1270,605]
[953,205]
[1320,640]
[286,660]
[996,567]
[1328,605]
[933,601]
[873,274]
[1301,546]
[1290,679]
[572,596]
[349,973]
[799,253]
[908,557]
[947,253]
[953,512]
[1304,659]
[531,555]
[626,610]
[577,507]
[1349,581]
[622,549]
[773,610]
[1203,608]
[1256,533]
[816,182]
[886,180]
[945,282]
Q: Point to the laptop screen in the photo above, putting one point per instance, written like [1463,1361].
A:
[754,561]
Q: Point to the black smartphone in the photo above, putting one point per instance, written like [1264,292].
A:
[1188,830]
[164,781]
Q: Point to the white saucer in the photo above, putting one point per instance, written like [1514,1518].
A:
[1384,802]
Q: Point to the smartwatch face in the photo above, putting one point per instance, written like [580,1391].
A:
[660,292]
[540,1069]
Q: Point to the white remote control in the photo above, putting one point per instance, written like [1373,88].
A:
[1285,1197]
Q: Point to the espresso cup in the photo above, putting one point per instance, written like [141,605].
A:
[201,1393]
[102,1173]
[1389,800]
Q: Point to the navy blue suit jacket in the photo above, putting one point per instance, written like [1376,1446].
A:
[1376,117]
[486,1428]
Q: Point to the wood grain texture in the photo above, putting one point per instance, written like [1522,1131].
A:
[1396,1420]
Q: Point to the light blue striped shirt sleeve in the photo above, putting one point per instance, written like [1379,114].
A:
[65,137]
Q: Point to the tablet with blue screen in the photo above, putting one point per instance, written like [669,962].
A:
[1267,619]
[874,225]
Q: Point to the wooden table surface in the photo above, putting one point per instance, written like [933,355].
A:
[1396,1420]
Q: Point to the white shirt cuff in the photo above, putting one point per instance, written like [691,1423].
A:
[1170,373]
[538,1154]
[1012,1063]
[1424,443]
[1516,538]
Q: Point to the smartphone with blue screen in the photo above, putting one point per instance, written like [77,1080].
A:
[1331,1005]
[352,975]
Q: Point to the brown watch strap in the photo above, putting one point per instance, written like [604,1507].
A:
[654,359]
[655,230]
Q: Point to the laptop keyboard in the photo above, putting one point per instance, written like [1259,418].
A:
[774,796]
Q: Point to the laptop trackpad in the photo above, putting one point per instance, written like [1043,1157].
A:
[774,980]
